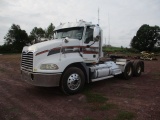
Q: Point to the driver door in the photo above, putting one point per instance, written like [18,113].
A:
[90,49]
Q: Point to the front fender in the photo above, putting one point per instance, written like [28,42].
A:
[62,62]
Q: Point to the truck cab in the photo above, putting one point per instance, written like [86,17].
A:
[72,59]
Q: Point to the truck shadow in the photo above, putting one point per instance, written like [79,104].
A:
[44,91]
[51,92]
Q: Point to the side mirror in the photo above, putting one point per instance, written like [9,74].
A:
[66,40]
[96,33]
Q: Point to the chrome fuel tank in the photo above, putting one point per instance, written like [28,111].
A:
[103,70]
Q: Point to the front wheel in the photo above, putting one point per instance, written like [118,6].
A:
[72,81]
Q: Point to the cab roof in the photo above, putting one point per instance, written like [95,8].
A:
[73,24]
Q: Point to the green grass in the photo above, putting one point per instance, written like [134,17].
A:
[116,49]
[125,115]
[88,118]
[2,70]
[98,102]
[112,49]
[126,51]
[156,75]
[95,98]
[102,107]
[107,106]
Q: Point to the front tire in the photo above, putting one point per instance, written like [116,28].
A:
[72,81]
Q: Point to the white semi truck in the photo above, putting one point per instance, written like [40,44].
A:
[72,59]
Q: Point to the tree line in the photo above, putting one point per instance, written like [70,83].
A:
[16,38]
[147,38]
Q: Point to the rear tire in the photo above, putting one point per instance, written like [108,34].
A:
[128,71]
[72,81]
[137,68]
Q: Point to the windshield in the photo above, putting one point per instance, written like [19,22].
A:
[74,33]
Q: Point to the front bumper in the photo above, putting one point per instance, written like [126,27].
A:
[41,79]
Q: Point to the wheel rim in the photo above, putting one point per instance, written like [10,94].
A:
[129,71]
[139,69]
[74,81]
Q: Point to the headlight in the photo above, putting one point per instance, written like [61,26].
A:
[48,67]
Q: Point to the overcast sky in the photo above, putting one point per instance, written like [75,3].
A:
[123,16]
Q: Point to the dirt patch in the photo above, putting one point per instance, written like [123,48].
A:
[137,98]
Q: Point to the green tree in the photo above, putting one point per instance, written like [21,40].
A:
[6,49]
[16,38]
[50,31]
[37,34]
[146,38]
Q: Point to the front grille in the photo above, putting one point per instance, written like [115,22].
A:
[27,61]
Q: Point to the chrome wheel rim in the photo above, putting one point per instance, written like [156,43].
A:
[74,81]
[139,69]
[129,71]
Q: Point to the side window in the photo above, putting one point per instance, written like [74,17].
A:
[88,35]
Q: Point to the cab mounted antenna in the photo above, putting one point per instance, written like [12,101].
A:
[98,16]
[109,37]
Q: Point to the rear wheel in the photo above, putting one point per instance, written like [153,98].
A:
[137,68]
[72,81]
[128,71]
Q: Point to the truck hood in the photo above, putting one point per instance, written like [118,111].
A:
[42,46]
[48,45]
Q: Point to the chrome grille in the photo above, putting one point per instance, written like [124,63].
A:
[27,61]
